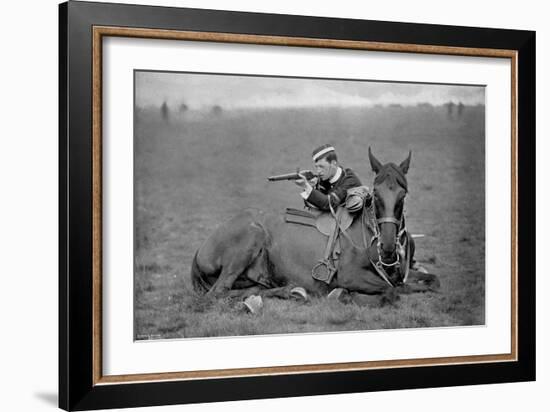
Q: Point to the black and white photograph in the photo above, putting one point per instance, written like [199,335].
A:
[279,205]
[242,206]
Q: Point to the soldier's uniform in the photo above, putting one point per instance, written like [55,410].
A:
[333,190]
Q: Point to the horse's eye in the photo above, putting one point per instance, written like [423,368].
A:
[399,207]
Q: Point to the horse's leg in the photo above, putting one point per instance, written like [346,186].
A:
[388,297]
[282,292]
[244,293]
[244,251]
[364,281]
[420,282]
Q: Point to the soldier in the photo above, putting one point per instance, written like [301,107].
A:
[330,189]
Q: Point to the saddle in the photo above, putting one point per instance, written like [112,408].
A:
[324,222]
[328,225]
[332,223]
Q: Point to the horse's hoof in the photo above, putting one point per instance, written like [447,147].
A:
[253,304]
[337,295]
[299,293]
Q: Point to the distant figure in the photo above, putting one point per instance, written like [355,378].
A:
[164,111]
[450,108]
[217,110]
[460,108]
[183,108]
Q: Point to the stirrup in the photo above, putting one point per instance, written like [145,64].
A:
[324,271]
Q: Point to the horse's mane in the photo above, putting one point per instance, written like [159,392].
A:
[394,174]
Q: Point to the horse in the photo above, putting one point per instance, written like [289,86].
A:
[259,253]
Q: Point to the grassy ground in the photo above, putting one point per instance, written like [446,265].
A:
[192,172]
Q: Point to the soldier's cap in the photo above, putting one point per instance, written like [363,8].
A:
[321,151]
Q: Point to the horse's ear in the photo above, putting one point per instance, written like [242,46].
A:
[404,166]
[374,163]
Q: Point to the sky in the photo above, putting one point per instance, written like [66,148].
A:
[199,91]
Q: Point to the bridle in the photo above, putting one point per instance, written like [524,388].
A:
[401,242]
[368,219]
[400,226]
[400,223]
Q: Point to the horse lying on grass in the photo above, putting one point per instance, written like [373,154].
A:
[257,253]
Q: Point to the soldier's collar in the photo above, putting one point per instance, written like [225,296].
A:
[336,176]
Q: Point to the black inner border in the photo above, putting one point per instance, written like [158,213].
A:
[76,389]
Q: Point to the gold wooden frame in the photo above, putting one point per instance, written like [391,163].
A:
[101,31]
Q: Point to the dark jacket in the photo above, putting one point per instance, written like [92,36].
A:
[325,192]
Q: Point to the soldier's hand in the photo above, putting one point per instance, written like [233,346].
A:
[302,182]
[304,173]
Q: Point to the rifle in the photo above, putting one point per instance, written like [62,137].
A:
[308,174]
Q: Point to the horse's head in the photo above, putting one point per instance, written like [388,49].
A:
[389,191]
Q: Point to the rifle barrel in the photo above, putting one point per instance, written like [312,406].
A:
[288,176]
[308,174]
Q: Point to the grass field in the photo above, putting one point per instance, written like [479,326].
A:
[195,170]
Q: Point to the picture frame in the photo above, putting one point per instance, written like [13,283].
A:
[82,28]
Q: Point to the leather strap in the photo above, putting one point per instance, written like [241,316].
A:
[331,241]
[389,219]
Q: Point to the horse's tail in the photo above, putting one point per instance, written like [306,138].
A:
[198,278]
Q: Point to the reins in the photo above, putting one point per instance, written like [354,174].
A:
[374,228]
[402,248]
